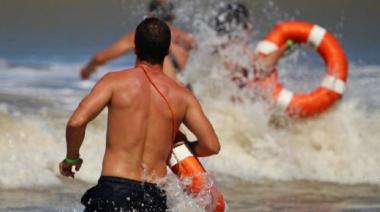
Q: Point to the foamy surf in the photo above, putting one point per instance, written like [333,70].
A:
[338,146]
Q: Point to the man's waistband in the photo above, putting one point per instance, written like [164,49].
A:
[126,181]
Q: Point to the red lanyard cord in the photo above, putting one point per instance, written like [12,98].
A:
[166,100]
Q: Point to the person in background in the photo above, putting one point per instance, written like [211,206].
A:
[233,24]
[182,43]
[145,109]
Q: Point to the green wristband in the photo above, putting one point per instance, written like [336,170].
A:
[290,44]
[71,161]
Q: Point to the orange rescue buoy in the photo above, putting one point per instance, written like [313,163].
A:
[334,81]
[184,164]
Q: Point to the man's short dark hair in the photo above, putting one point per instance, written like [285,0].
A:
[152,40]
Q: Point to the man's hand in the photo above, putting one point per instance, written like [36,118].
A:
[85,72]
[66,169]
[264,65]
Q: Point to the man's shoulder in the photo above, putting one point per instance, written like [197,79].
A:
[176,85]
[183,92]
[119,75]
[124,72]
[125,80]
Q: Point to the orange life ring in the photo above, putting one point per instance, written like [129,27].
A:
[334,81]
[184,164]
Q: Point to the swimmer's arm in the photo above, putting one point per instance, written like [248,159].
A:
[122,46]
[197,122]
[181,55]
[189,41]
[184,38]
[87,110]
[263,63]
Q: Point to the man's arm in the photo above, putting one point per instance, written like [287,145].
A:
[87,110]
[197,122]
[181,55]
[183,38]
[123,46]
[264,64]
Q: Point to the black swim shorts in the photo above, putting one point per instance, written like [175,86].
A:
[119,194]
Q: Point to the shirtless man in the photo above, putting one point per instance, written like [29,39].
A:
[176,61]
[145,109]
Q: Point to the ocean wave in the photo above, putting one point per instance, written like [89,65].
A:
[339,146]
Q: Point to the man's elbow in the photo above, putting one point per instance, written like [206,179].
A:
[76,122]
[215,149]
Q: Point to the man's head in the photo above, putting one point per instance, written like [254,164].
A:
[231,18]
[162,9]
[152,40]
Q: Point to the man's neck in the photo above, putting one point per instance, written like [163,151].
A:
[149,66]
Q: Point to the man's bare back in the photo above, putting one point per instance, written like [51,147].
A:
[140,134]
[140,131]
